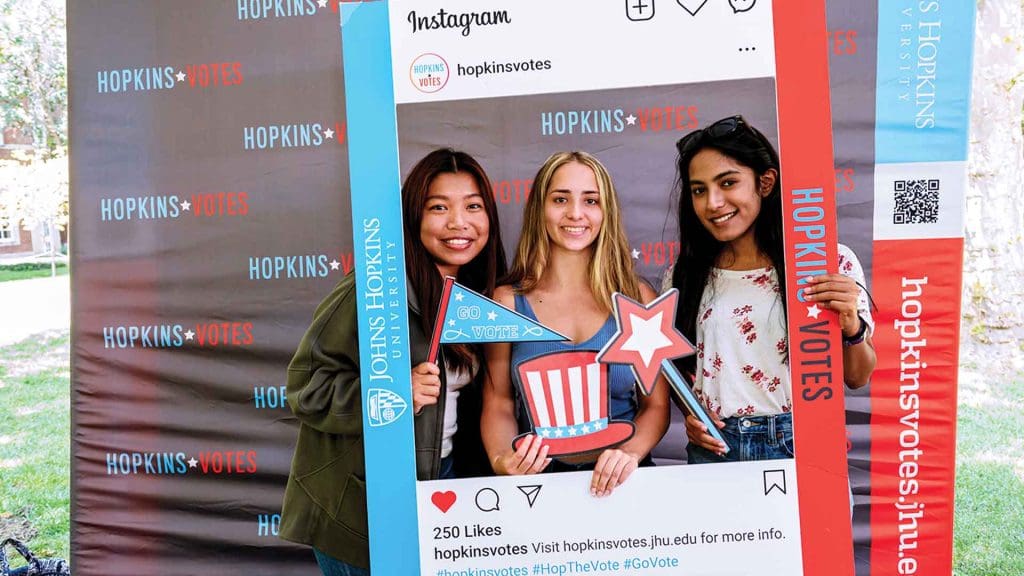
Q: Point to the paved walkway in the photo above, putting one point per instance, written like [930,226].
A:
[29,307]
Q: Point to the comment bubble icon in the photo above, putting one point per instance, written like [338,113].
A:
[487,500]
[741,5]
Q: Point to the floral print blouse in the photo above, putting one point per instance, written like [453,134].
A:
[742,344]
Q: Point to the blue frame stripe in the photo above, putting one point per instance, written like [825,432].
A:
[377,223]
[925,53]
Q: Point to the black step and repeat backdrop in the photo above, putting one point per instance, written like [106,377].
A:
[210,209]
[210,216]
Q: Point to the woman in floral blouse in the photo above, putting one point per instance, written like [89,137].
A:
[732,302]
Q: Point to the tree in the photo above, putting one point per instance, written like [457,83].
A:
[35,193]
[33,71]
[33,100]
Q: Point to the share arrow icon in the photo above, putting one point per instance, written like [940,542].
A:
[531,491]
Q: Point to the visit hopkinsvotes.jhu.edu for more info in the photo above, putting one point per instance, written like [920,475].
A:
[638,554]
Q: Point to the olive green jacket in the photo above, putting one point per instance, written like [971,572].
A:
[325,500]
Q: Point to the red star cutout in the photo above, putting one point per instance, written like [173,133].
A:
[646,336]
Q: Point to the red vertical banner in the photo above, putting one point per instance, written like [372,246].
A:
[913,404]
[808,184]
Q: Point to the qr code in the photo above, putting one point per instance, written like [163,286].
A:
[917,202]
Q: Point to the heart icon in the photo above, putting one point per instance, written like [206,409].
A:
[692,6]
[443,500]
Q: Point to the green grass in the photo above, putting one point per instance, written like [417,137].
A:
[35,444]
[8,274]
[989,520]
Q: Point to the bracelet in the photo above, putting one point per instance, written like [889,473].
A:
[857,338]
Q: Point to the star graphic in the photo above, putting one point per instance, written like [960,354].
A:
[631,120]
[186,205]
[459,296]
[545,433]
[192,462]
[451,322]
[813,311]
[180,76]
[646,336]
[586,428]
[558,433]
[189,335]
[636,254]
[492,315]
[335,265]
[322,3]
[598,425]
[328,133]
[572,431]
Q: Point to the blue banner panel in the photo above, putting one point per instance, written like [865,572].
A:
[925,50]
[381,293]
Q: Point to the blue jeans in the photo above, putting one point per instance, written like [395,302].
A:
[447,468]
[750,438]
[331,566]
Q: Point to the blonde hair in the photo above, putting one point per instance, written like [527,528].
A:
[611,264]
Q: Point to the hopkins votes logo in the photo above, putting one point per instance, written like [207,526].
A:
[384,406]
[429,72]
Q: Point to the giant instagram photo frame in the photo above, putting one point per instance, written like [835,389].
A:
[409,66]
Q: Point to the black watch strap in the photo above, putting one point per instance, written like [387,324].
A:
[859,336]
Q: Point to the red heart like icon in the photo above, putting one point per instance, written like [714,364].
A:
[443,500]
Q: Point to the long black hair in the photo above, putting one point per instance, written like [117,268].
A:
[699,250]
[479,274]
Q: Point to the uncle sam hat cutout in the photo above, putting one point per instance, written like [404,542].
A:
[567,395]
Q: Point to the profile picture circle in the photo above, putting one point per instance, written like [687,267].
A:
[429,72]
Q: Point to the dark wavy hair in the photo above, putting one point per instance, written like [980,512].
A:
[699,250]
[480,274]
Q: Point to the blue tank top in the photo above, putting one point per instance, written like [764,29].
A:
[621,383]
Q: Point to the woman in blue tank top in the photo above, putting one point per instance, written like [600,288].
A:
[572,256]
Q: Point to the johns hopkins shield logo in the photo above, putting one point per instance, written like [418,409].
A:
[384,406]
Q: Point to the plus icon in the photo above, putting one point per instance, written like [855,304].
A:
[638,10]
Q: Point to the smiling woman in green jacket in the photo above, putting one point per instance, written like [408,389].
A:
[451,229]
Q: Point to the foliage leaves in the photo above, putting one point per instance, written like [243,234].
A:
[33,71]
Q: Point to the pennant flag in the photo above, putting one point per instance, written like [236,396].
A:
[466,317]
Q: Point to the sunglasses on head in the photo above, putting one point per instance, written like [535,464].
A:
[720,129]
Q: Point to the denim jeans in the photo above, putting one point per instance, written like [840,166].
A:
[447,468]
[331,566]
[750,438]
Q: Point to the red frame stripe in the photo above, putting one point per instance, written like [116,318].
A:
[805,146]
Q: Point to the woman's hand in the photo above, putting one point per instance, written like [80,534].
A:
[839,293]
[426,385]
[697,433]
[612,469]
[530,458]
